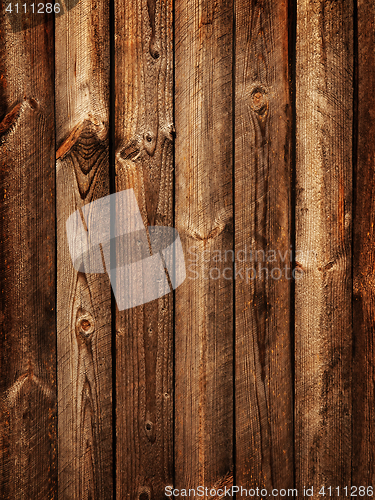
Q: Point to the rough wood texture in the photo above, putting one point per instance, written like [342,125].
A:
[323,324]
[363,459]
[264,383]
[28,454]
[83,300]
[144,162]
[226,208]
[204,219]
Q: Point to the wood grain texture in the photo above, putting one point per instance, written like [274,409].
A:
[323,296]
[144,162]
[28,454]
[264,380]
[204,219]
[363,458]
[83,299]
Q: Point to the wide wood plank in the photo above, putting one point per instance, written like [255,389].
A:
[323,295]
[83,298]
[204,219]
[28,444]
[264,380]
[144,163]
[363,458]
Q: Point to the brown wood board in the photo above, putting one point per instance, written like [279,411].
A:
[84,327]
[144,132]
[363,443]
[323,294]
[204,219]
[263,181]
[28,442]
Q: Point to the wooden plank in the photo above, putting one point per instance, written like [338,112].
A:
[323,295]
[83,299]
[263,125]
[204,219]
[363,459]
[28,455]
[144,163]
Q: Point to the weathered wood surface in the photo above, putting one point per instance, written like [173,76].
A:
[363,455]
[83,299]
[222,202]
[323,295]
[144,162]
[263,142]
[204,219]
[28,444]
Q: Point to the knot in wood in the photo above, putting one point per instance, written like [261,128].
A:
[150,430]
[85,324]
[259,100]
[144,493]
[131,151]
[155,53]
[149,143]
[33,103]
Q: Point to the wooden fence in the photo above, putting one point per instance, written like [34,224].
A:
[249,127]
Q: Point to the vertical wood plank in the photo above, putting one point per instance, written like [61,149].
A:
[83,299]
[363,459]
[28,454]
[323,299]
[204,219]
[144,163]
[264,380]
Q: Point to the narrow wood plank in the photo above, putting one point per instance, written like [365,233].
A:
[264,380]
[363,459]
[144,163]
[204,219]
[323,298]
[83,299]
[28,455]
